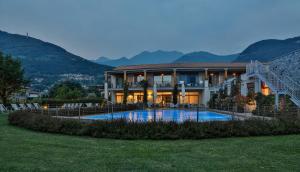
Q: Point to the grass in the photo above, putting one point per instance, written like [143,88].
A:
[24,150]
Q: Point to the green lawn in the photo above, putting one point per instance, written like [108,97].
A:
[24,150]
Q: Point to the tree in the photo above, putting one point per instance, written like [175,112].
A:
[67,90]
[11,77]
[125,90]
[175,94]
[144,84]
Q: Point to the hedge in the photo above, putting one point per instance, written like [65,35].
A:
[122,129]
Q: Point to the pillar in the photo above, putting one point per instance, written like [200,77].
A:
[244,88]
[145,74]
[257,85]
[206,93]
[125,76]
[105,90]
[225,73]
[113,97]
[206,74]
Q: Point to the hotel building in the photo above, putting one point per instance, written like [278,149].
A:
[200,81]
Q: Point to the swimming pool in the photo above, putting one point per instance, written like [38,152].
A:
[163,115]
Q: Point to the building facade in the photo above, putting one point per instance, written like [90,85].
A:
[200,80]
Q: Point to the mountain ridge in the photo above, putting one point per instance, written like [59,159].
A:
[42,59]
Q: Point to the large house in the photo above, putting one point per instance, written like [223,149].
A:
[200,80]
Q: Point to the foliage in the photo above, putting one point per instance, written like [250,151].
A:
[67,90]
[32,149]
[125,91]
[122,129]
[145,85]
[175,93]
[11,77]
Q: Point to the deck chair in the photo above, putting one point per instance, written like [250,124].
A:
[2,108]
[15,107]
[22,106]
[88,105]
[37,106]
[64,106]
[30,106]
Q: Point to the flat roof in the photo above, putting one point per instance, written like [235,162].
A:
[180,66]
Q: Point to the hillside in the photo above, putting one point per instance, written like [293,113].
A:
[145,57]
[44,60]
[112,62]
[205,57]
[267,50]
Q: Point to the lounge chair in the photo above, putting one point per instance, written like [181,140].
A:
[88,105]
[15,107]
[30,106]
[22,106]
[64,106]
[2,108]
[37,106]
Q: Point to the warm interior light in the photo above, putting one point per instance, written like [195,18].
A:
[211,74]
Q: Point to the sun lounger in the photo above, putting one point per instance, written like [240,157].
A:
[15,107]
[30,106]
[89,105]
[22,106]
[37,106]
[2,108]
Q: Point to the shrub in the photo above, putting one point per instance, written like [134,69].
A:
[122,129]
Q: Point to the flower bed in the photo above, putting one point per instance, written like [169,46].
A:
[121,129]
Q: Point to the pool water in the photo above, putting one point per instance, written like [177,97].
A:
[163,115]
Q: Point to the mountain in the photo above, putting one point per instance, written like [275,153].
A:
[44,61]
[146,57]
[101,59]
[112,62]
[203,56]
[267,50]
[155,57]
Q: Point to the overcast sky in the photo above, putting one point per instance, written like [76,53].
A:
[116,28]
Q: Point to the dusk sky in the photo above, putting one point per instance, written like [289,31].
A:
[117,28]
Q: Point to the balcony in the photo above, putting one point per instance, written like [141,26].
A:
[163,84]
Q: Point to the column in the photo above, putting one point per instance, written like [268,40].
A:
[113,97]
[257,85]
[244,88]
[145,74]
[105,86]
[225,73]
[206,93]
[125,75]
[206,73]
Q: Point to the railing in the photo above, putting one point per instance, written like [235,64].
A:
[277,83]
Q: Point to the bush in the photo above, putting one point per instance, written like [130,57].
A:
[122,129]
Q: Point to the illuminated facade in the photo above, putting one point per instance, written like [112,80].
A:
[200,81]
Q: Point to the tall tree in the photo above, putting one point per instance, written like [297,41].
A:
[125,90]
[144,84]
[175,94]
[11,77]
